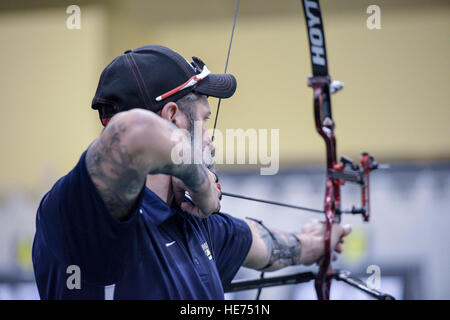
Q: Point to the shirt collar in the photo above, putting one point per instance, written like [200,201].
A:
[158,210]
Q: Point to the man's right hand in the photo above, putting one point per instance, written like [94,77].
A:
[204,203]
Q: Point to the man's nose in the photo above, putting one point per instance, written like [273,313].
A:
[207,140]
[213,150]
[206,137]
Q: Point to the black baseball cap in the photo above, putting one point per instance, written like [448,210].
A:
[138,77]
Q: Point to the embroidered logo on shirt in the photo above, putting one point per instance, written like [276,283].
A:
[206,250]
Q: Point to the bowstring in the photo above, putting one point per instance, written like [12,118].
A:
[226,64]
[258,294]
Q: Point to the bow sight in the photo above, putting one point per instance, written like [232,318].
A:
[347,170]
[351,172]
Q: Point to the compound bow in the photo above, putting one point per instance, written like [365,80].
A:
[337,173]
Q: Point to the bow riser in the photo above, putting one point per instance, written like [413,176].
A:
[325,127]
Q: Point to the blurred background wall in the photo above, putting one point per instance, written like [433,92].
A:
[395,104]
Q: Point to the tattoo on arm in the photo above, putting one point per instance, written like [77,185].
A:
[282,249]
[286,250]
[193,175]
[118,176]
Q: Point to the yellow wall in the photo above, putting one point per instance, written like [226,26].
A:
[48,74]
[395,101]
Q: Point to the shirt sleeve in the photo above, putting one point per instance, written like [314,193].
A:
[231,241]
[78,229]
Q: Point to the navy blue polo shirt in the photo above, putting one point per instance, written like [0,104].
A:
[158,253]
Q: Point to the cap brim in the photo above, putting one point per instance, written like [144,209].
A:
[217,85]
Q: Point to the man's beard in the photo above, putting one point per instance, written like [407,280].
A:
[191,130]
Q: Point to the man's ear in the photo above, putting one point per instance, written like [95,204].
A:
[169,111]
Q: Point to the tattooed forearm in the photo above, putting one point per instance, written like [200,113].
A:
[193,175]
[285,251]
[272,249]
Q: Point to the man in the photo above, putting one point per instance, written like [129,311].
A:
[118,226]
